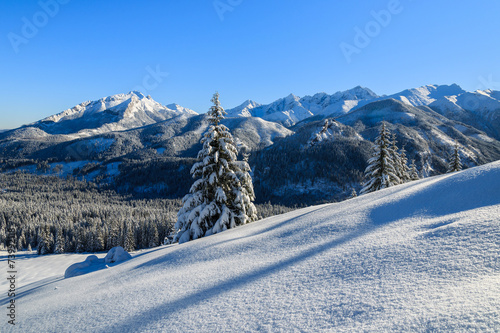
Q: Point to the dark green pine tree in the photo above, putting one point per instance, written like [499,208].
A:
[221,197]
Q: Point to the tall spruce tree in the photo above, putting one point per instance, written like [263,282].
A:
[413,171]
[221,197]
[404,170]
[381,172]
[129,238]
[455,163]
[246,192]
[59,241]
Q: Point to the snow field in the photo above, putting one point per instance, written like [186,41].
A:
[419,257]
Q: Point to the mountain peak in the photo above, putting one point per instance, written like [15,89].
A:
[113,113]
[243,110]
[359,92]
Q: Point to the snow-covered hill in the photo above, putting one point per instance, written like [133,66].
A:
[417,257]
[114,113]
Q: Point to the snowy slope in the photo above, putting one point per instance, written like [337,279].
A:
[418,257]
[480,109]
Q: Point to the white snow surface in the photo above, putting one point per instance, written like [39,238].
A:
[117,254]
[422,256]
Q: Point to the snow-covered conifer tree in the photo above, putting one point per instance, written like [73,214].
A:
[455,163]
[404,170]
[353,194]
[380,172]
[59,242]
[221,198]
[129,241]
[413,173]
[153,236]
[80,240]
[426,168]
[396,158]
[44,242]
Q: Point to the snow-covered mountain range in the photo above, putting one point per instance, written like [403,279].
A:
[480,108]
[287,139]
[292,109]
[419,257]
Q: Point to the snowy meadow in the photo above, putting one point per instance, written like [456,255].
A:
[421,256]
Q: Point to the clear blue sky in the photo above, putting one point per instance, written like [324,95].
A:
[260,50]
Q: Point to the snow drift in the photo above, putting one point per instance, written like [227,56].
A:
[92,263]
[422,256]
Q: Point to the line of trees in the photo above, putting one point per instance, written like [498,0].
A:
[388,165]
[54,215]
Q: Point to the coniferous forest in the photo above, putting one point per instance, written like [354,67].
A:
[54,215]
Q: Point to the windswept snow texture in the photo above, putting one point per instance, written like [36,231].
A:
[416,257]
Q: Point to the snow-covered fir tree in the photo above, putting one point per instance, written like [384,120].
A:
[221,197]
[80,240]
[455,164]
[153,236]
[404,170]
[129,241]
[396,158]
[413,172]
[353,194]
[426,168]
[246,190]
[381,172]
[44,241]
[59,242]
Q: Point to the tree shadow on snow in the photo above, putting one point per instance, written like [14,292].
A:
[165,310]
[185,250]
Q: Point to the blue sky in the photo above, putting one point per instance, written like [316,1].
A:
[259,50]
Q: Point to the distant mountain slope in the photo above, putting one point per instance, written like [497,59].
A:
[301,164]
[114,113]
[427,94]
[292,109]
[426,134]
[417,257]
[179,136]
[480,109]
